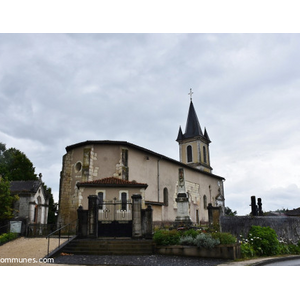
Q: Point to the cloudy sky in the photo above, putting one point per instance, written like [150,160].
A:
[60,89]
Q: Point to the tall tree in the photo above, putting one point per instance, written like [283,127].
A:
[6,200]
[14,165]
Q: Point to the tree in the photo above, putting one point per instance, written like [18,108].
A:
[52,206]
[14,165]
[229,212]
[6,200]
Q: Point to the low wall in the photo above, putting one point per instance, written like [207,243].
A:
[221,251]
[285,227]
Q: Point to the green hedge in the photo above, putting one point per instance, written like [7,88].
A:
[263,241]
[5,237]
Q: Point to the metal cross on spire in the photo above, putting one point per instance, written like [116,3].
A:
[190,93]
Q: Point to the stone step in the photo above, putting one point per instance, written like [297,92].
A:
[109,247]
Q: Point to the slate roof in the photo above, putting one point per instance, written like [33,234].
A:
[192,128]
[28,186]
[112,182]
[139,148]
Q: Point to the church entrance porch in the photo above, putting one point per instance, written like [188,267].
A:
[115,218]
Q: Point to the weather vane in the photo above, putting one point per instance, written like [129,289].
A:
[190,93]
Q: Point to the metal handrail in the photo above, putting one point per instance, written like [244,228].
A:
[59,234]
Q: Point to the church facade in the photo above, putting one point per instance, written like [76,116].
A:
[115,170]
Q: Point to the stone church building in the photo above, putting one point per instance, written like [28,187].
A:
[115,170]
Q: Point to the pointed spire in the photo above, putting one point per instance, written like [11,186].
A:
[180,135]
[206,135]
[193,127]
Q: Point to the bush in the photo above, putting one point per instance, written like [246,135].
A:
[225,238]
[166,237]
[247,250]
[191,232]
[187,240]
[264,240]
[206,241]
[5,237]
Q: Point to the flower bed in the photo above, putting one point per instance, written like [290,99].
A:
[196,243]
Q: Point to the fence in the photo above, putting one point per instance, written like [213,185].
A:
[40,230]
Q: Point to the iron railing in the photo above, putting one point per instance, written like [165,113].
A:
[40,230]
[66,231]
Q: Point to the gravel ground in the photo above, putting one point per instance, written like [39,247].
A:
[136,260]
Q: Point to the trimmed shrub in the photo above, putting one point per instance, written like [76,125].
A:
[166,237]
[225,238]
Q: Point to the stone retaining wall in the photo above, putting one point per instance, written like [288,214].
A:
[285,227]
[221,251]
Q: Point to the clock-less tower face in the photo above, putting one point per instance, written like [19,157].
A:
[194,144]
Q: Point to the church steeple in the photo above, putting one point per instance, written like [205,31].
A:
[193,144]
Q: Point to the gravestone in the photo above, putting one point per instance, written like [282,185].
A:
[15,226]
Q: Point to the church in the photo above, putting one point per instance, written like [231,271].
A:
[116,170]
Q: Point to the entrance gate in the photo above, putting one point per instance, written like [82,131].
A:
[115,218]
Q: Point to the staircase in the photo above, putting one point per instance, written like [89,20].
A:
[109,247]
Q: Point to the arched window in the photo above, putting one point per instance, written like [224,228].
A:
[166,197]
[189,153]
[100,199]
[124,201]
[204,154]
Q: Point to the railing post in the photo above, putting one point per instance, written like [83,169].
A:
[59,237]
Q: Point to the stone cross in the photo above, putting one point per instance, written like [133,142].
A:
[190,93]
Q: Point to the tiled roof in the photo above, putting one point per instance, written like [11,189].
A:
[30,186]
[112,181]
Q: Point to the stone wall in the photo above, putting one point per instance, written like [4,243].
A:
[285,227]
[220,251]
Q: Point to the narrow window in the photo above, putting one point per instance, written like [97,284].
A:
[125,157]
[100,199]
[124,201]
[205,202]
[204,154]
[166,197]
[189,154]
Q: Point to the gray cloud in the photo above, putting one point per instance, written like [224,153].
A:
[59,89]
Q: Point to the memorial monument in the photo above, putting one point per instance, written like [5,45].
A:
[183,217]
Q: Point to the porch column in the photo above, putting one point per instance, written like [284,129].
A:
[136,215]
[93,216]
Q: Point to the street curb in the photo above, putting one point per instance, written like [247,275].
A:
[268,261]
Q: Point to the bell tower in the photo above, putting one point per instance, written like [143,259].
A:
[193,143]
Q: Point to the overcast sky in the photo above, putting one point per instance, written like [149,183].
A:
[61,89]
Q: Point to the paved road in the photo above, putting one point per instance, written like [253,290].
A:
[136,260]
[286,262]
